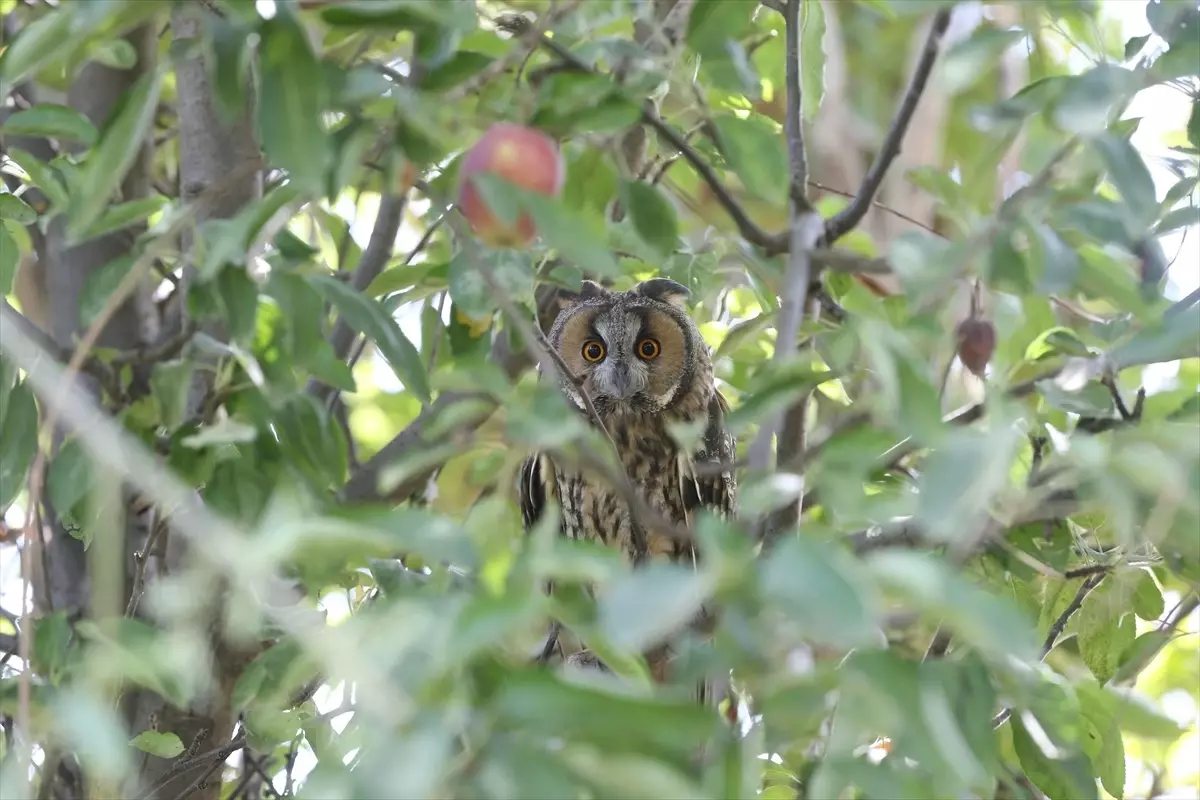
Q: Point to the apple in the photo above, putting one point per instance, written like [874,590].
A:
[526,158]
[976,343]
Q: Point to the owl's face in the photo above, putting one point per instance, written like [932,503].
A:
[634,350]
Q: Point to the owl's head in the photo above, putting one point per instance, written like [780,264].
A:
[636,350]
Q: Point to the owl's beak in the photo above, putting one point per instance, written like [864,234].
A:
[621,387]
[617,383]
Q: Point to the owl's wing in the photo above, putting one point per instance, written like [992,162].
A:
[715,491]
[535,483]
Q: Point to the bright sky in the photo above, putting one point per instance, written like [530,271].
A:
[1162,109]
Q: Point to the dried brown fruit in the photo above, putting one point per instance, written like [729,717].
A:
[976,343]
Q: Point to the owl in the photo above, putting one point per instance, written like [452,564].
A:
[642,362]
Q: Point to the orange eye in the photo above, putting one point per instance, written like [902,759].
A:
[593,350]
[648,349]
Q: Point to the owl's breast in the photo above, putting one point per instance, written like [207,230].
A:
[594,511]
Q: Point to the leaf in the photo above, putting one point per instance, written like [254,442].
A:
[967,60]
[9,257]
[291,101]
[14,208]
[1178,218]
[1147,598]
[99,285]
[652,214]
[512,271]
[541,703]
[756,153]
[459,67]
[1085,102]
[642,608]
[568,233]
[1134,46]
[367,317]
[1070,776]
[51,639]
[18,441]
[1131,177]
[69,476]
[812,57]
[158,743]
[819,592]
[991,624]
[43,177]
[55,121]
[119,146]
[1176,336]
[123,215]
[170,383]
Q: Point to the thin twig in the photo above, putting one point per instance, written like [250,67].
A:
[845,220]
[1056,630]
[751,232]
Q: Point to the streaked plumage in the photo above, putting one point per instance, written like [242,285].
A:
[644,365]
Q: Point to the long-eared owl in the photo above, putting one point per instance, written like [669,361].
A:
[644,365]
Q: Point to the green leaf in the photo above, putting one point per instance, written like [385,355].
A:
[1068,776]
[367,317]
[40,41]
[812,57]
[756,153]
[652,214]
[69,476]
[120,143]
[570,234]
[123,215]
[158,743]
[967,60]
[170,383]
[1176,336]
[1085,103]
[1178,218]
[1147,598]
[292,99]
[991,624]
[1131,177]
[14,208]
[51,639]
[98,286]
[55,121]
[9,258]
[642,608]
[819,593]
[541,703]
[1135,45]
[18,441]
[43,177]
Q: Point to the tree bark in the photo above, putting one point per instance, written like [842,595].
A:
[211,148]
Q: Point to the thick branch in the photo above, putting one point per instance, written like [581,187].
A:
[797,158]
[845,220]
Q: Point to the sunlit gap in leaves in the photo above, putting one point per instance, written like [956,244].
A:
[265,8]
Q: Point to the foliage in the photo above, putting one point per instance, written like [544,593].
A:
[1044,540]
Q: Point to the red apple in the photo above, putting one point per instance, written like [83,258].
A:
[524,157]
[976,343]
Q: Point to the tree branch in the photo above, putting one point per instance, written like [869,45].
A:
[845,220]
[805,229]
[370,264]
[751,232]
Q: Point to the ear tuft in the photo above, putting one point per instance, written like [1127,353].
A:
[590,290]
[664,290]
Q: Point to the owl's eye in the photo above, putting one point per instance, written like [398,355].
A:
[648,349]
[593,350]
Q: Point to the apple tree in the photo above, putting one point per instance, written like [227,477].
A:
[274,275]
